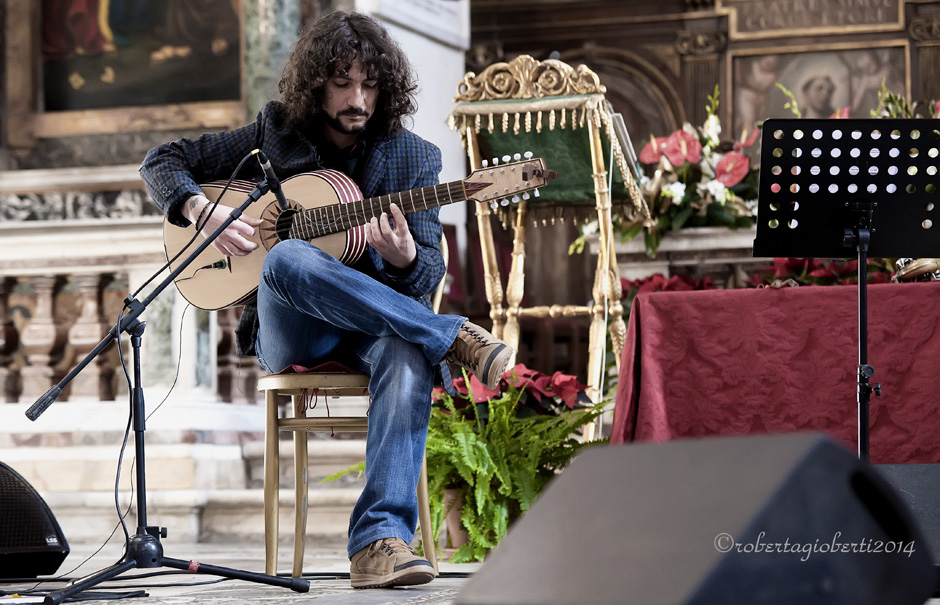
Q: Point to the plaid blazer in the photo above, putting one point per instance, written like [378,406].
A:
[172,173]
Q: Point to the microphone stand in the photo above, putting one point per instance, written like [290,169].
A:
[144,550]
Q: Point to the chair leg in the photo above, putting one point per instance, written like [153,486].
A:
[424,517]
[300,497]
[271,482]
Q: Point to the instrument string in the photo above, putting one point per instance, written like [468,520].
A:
[333,218]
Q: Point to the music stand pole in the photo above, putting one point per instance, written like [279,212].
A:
[144,549]
[861,237]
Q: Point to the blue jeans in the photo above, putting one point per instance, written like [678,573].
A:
[312,308]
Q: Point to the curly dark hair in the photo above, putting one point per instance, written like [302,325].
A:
[332,43]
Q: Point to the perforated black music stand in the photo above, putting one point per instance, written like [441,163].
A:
[843,188]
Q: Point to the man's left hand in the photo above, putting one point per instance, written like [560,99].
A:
[395,244]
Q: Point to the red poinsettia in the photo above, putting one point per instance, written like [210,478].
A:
[659,283]
[653,150]
[563,387]
[732,169]
[681,147]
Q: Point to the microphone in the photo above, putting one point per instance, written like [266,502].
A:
[273,183]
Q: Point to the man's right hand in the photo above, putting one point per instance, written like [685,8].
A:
[234,241]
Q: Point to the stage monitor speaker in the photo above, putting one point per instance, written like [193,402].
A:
[31,542]
[760,519]
[918,486]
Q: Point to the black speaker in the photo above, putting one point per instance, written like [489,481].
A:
[757,519]
[918,486]
[31,542]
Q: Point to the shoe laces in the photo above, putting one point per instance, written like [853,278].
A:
[390,546]
[473,341]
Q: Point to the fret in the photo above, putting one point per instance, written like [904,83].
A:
[450,194]
[424,199]
[411,194]
[436,200]
[371,209]
[362,211]
[332,217]
[349,223]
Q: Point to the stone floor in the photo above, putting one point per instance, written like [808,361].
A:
[327,569]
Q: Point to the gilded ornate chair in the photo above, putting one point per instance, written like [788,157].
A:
[561,114]
[329,381]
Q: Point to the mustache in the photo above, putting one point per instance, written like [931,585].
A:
[354,112]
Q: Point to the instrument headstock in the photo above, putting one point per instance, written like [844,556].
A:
[510,181]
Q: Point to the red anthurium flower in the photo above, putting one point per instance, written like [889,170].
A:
[732,168]
[653,150]
[936,107]
[746,139]
[841,113]
[682,147]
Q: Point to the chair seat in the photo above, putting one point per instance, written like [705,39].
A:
[332,379]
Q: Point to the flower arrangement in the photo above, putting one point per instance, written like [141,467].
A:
[690,179]
[501,447]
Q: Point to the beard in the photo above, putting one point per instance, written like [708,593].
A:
[335,122]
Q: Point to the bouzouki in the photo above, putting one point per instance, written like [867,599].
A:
[327,210]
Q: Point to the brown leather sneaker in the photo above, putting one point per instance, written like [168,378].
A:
[480,353]
[388,562]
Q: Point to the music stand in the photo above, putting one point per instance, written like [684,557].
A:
[828,187]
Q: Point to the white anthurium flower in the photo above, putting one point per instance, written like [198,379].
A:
[589,228]
[690,129]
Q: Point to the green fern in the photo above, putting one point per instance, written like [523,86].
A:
[503,460]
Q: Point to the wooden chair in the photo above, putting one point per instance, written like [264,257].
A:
[329,383]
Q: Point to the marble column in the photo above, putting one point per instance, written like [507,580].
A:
[271,27]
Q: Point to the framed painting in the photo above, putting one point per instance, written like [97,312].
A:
[112,66]
[822,81]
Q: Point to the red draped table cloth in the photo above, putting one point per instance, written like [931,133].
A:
[732,362]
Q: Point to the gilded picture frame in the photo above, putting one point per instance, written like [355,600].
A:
[82,66]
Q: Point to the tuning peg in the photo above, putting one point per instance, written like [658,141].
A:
[494,205]
[516,157]
[506,158]
[515,199]
[535,192]
[528,155]
[525,195]
[495,161]
[486,163]
[504,201]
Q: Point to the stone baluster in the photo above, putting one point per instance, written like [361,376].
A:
[9,340]
[94,381]
[225,355]
[42,340]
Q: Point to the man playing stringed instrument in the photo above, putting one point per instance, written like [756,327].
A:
[345,91]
